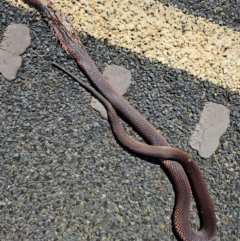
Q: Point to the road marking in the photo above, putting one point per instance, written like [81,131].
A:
[166,34]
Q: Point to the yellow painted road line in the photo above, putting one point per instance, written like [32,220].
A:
[166,34]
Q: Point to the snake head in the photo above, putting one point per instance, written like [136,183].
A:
[40,5]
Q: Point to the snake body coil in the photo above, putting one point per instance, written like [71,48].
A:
[180,166]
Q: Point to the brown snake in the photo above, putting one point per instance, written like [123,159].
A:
[180,166]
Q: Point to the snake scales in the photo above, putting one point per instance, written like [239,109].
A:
[182,169]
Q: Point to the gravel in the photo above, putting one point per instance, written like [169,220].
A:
[63,176]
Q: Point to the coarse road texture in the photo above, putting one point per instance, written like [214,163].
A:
[63,176]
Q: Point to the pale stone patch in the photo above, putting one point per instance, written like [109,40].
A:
[15,41]
[119,78]
[214,121]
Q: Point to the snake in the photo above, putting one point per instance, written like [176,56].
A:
[184,173]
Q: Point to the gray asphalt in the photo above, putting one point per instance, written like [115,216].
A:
[63,175]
